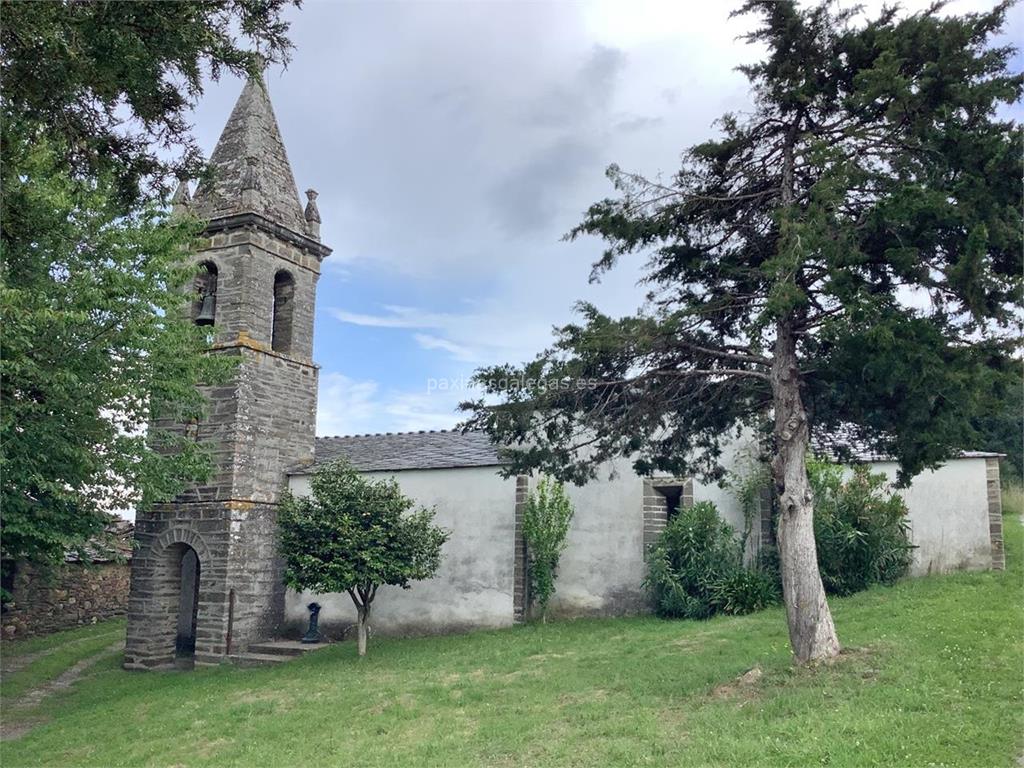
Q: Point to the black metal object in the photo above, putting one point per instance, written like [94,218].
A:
[207,310]
[313,634]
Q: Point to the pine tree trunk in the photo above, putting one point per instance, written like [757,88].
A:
[364,616]
[811,631]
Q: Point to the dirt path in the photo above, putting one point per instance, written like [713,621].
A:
[13,662]
[32,698]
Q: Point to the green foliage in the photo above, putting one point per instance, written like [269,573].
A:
[353,531]
[353,534]
[746,590]
[94,112]
[74,71]
[874,161]
[695,569]
[545,528]
[860,528]
[749,484]
[1001,428]
[96,342]
[1013,500]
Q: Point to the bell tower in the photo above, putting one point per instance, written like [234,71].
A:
[206,579]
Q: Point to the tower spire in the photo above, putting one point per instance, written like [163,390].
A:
[251,172]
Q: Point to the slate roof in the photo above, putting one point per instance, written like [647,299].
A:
[250,157]
[114,544]
[443,449]
[451,449]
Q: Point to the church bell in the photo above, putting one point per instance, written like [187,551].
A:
[207,310]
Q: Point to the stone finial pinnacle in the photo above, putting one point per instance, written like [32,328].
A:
[181,199]
[312,214]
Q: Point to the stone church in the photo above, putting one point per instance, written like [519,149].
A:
[206,581]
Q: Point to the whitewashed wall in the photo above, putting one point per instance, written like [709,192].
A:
[473,587]
[948,516]
[602,569]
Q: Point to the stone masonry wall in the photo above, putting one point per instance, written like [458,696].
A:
[995,512]
[258,426]
[72,595]
[163,535]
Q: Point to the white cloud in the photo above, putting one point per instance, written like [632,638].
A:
[352,407]
[394,317]
[457,351]
[345,406]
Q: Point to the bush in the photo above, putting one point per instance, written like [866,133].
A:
[860,529]
[354,534]
[696,569]
[545,528]
[746,590]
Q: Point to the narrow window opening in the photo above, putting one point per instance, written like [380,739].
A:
[284,294]
[673,499]
[204,307]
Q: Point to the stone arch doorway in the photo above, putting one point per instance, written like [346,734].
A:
[188,602]
[176,612]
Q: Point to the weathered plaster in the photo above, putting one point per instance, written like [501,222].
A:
[949,516]
[475,585]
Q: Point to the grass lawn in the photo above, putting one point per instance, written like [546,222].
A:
[932,676]
[39,660]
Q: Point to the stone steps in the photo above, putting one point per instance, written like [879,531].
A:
[257,659]
[284,647]
[273,652]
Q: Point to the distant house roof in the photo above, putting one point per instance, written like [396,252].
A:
[444,449]
[114,544]
[843,444]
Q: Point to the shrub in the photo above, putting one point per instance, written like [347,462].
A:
[746,590]
[696,569]
[545,528]
[860,528]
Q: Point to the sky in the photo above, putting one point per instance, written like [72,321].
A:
[453,144]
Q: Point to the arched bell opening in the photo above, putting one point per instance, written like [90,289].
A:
[284,294]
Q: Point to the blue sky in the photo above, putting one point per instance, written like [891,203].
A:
[453,144]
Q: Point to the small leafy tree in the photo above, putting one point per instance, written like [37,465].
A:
[353,534]
[545,528]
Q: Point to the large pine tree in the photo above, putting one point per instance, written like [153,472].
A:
[845,258]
